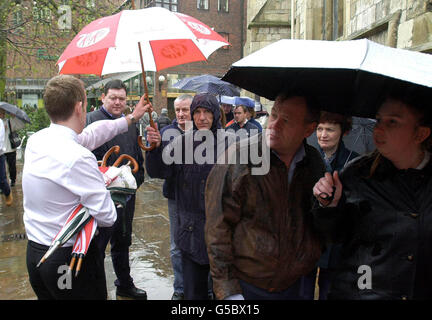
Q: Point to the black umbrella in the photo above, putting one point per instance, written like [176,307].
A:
[345,76]
[12,109]
[208,83]
[359,139]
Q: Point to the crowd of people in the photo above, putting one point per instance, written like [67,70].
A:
[358,225]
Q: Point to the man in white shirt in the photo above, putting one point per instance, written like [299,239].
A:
[60,172]
[4,185]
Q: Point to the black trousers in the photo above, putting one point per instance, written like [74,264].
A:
[11,162]
[119,236]
[51,280]
[195,279]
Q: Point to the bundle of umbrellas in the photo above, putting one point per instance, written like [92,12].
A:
[121,183]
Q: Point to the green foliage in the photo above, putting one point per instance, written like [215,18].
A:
[39,120]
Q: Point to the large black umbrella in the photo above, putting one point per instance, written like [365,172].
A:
[208,83]
[12,109]
[359,139]
[345,76]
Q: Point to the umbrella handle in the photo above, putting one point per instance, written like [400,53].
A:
[132,161]
[115,149]
[153,145]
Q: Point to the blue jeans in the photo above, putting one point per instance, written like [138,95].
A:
[4,184]
[175,253]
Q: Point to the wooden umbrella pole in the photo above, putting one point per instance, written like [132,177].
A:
[146,96]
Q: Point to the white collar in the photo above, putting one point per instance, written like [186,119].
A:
[66,130]
[425,161]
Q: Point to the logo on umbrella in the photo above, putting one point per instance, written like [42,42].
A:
[89,39]
[174,51]
[199,27]
[87,60]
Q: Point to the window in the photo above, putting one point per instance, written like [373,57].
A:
[202,4]
[226,37]
[167,4]
[223,5]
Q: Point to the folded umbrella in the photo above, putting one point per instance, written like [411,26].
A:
[77,220]
[82,244]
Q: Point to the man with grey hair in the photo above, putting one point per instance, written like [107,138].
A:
[182,110]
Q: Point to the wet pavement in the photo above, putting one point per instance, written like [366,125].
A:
[149,253]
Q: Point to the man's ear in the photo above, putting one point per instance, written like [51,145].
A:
[79,107]
[422,134]
[103,98]
[310,128]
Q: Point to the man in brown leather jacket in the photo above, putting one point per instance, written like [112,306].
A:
[259,232]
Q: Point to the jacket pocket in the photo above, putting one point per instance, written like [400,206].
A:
[186,240]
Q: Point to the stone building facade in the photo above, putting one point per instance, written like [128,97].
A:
[396,23]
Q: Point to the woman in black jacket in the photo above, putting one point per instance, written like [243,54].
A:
[331,129]
[381,210]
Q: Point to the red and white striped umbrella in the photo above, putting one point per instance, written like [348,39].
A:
[110,44]
[82,244]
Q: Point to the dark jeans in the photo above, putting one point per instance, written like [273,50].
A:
[11,162]
[175,252]
[195,279]
[120,237]
[250,292]
[50,280]
[4,185]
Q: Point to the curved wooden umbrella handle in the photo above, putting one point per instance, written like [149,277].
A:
[115,149]
[128,157]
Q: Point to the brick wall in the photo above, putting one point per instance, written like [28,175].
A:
[232,23]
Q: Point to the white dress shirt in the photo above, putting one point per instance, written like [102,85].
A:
[60,172]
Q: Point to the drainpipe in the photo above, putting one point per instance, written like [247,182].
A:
[292,18]
[242,3]
[392,31]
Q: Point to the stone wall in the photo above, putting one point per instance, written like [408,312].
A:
[397,23]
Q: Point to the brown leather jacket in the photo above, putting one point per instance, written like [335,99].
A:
[259,228]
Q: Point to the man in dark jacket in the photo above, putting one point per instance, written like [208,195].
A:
[182,110]
[258,231]
[241,122]
[190,178]
[120,234]
[163,119]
